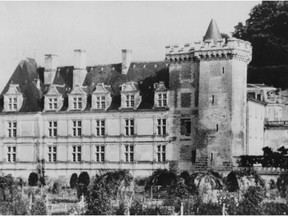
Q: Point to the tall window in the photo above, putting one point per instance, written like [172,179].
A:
[12,103]
[100,153]
[12,129]
[129,153]
[161,126]
[76,153]
[11,154]
[162,99]
[100,127]
[52,153]
[130,101]
[185,127]
[77,102]
[77,128]
[100,102]
[161,153]
[52,128]
[129,127]
[52,103]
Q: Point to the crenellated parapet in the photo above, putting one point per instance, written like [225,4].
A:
[209,50]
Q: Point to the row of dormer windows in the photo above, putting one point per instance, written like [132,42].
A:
[100,152]
[52,103]
[100,127]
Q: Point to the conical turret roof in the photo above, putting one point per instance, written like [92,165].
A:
[212,32]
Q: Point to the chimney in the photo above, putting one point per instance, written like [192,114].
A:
[126,60]
[50,64]
[79,72]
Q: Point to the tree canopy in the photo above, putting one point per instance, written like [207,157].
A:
[267,30]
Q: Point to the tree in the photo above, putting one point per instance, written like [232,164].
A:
[98,201]
[33,179]
[267,30]
[73,180]
[83,182]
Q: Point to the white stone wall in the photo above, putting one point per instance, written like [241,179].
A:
[255,128]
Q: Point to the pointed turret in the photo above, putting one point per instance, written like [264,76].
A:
[212,32]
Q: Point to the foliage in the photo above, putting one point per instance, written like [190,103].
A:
[16,206]
[267,30]
[57,185]
[157,210]
[120,210]
[73,180]
[230,200]
[251,202]
[282,183]
[98,201]
[38,208]
[7,188]
[136,207]
[274,208]
[209,209]
[33,179]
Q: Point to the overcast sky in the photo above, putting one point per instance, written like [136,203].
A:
[32,29]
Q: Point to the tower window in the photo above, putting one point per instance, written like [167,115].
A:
[211,157]
[193,156]
[223,70]
[217,127]
[185,127]
[212,99]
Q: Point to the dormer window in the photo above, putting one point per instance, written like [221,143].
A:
[53,98]
[100,102]
[13,99]
[161,95]
[130,95]
[12,103]
[77,98]
[130,101]
[77,103]
[52,103]
[162,99]
[101,97]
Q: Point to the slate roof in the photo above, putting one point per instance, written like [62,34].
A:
[212,32]
[144,73]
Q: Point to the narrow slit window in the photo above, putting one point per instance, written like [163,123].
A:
[211,157]
[217,127]
[223,70]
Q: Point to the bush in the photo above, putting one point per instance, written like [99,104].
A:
[56,187]
[73,180]
[33,179]
[39,208]
[209,209]
[84,178]
[282,183]
[274,209]
[251,202]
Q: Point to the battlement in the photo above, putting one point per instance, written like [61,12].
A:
[209,49]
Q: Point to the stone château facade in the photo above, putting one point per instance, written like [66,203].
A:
[185,113]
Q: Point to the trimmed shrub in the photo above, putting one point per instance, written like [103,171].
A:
[282,183]
[73,180]
[84,178]
[33,179]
